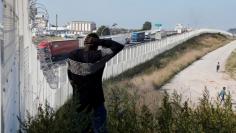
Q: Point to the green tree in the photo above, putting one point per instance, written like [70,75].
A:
[103,30]
[147,25]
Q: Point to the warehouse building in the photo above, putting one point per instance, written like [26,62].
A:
[81,27]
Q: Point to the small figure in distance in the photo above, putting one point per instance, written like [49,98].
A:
[222,95]
[218,67]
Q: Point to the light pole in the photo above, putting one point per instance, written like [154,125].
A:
[115,24]
[103,30]
[106,27]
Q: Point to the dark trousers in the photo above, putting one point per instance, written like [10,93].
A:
[98,114]
[97,120]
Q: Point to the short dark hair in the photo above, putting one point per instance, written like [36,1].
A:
[92,46]
[94,35]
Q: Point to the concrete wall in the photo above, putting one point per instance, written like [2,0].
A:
[1,58]
[10,69]
[13,80]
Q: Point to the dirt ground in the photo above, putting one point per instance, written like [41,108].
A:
[192,81]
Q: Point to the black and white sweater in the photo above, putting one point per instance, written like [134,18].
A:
[85,70]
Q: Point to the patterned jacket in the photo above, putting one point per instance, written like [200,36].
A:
[85,70]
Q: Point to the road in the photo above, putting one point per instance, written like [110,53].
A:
[191,82]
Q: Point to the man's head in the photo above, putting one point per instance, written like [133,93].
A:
[224,88]
[90,41]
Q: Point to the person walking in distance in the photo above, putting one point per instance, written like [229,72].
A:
[218,67]
[222,94]
[85,70]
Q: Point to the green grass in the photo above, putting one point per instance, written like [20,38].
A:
[231,65]
[125,115]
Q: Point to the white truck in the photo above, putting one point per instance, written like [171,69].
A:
[179,28]
[159,35]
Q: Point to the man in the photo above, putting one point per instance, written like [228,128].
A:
[222,94]
[85,70]
[218,67]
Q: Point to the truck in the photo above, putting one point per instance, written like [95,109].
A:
[137,37]
[179,28]
[56,50]
[158,35]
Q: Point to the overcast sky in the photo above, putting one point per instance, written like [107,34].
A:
[220,14]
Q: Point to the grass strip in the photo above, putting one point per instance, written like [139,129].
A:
[230,66]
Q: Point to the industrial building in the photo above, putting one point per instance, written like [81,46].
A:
[81,27]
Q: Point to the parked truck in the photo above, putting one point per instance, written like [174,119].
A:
[56,50]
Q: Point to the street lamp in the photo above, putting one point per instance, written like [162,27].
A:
[113,25]
[103,30]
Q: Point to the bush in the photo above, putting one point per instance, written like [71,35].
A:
[64,120]
[41,123]
[127,115]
